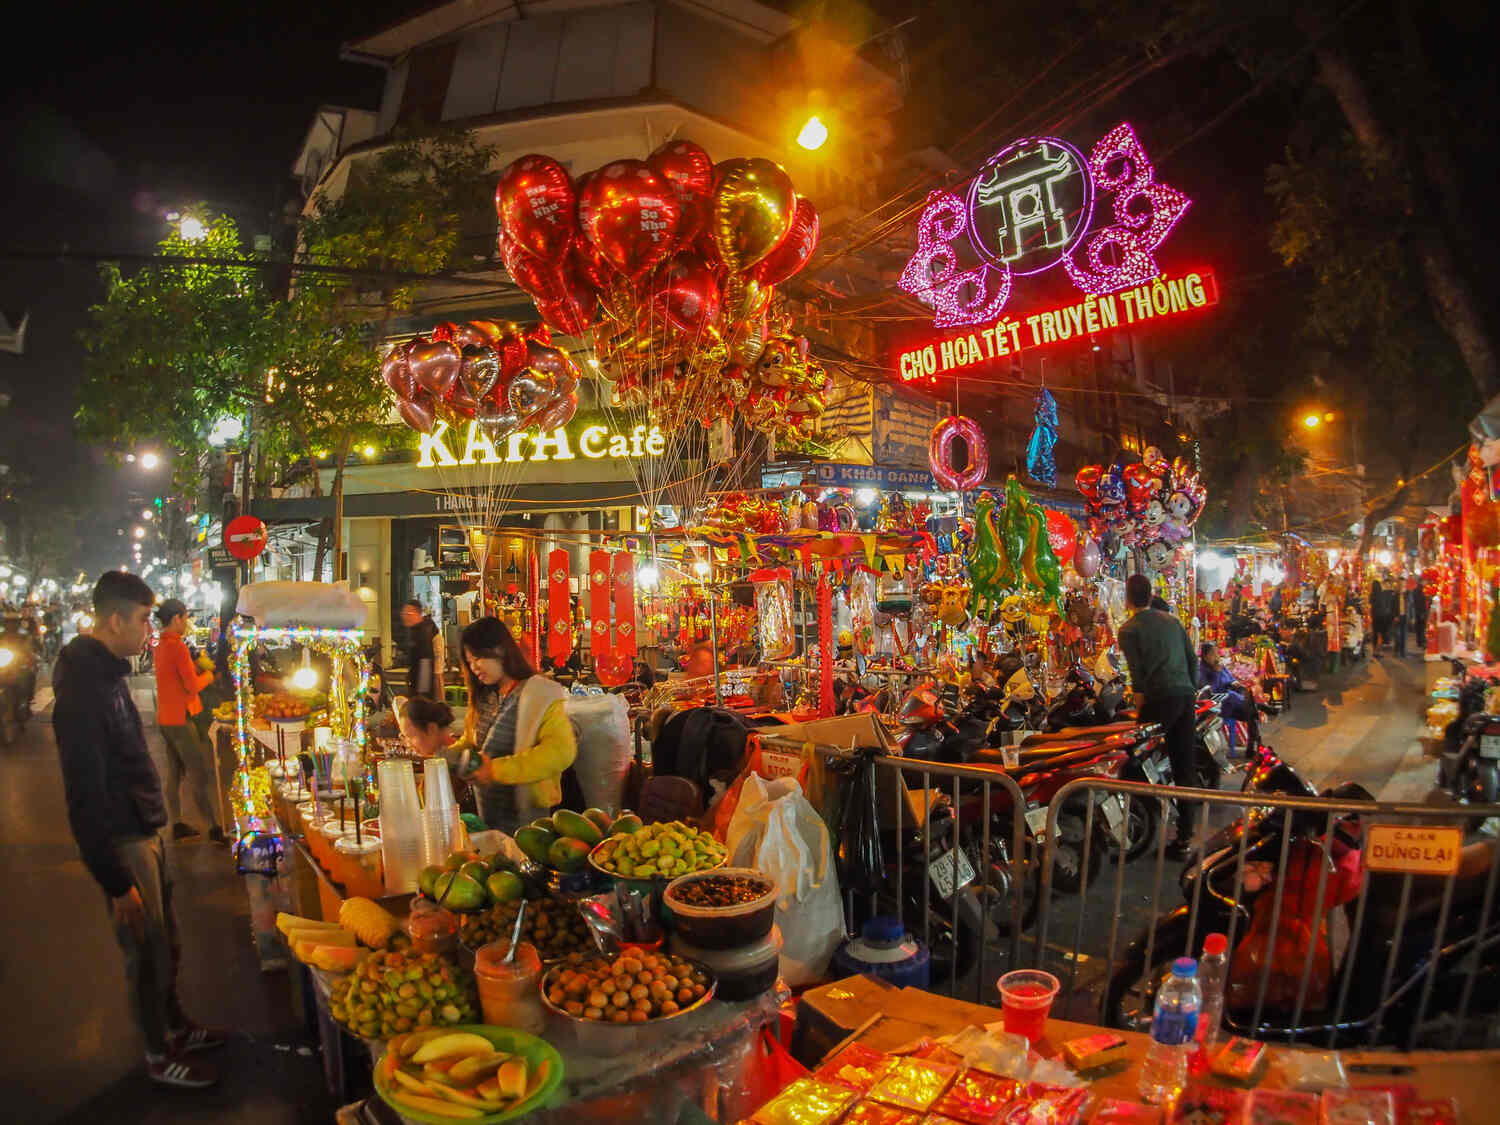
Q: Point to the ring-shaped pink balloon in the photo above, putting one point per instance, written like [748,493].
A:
[940,453]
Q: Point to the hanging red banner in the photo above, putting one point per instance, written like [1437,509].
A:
[534,606]
[599,635]
[624,585]
[559,606]
[826,702]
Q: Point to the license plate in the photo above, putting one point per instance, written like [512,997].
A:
[1489,745]
[942,870]
[1036,820]
[1153,770]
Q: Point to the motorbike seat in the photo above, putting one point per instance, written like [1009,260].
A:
[1051,754]
[1075,734]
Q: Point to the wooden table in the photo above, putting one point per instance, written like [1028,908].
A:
[909,1014]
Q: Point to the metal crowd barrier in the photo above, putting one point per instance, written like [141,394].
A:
[1468,949]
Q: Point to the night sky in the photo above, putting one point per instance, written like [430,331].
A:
[119,116]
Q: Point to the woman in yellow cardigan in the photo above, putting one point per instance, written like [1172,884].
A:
[517,723]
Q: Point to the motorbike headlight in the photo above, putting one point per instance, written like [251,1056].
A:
[7,658]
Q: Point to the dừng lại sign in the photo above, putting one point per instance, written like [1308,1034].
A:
[1033,206]
[597,442]
[1162,297]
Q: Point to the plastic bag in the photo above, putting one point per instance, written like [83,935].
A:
[773,612]
[861,861]
[602,728]
[776,830]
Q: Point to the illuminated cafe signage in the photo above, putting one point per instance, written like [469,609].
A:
[1037,204]
[1159,299]
[441,449]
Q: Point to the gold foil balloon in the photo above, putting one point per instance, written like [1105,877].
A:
[752,211]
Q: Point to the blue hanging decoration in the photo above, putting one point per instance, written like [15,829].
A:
[1039,463]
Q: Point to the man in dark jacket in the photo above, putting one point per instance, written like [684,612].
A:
[421,651]
[1162,663]
[116,809]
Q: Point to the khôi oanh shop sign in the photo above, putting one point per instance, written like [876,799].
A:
[442,449]
[1034,205]
[1163,297]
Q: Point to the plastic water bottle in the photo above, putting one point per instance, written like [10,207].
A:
[1173,1024]
[1213,971]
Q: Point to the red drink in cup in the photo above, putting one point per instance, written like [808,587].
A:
[1026,999]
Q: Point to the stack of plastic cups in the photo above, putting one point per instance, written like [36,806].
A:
[441,812]
[401,836]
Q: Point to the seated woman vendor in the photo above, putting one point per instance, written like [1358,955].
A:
[517,723]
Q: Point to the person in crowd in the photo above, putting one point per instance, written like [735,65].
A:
[981,670]
[116,809]
[1237,704]
[1400,600]
[421,651]
[1380,618]
[1236,600]
[179,680]
[425,725]
[1419,606]
[1161,661]
[698,661]
[517,724]
[1276,603]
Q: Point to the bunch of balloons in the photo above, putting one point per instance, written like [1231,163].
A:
[782,393]
[1011,551]
[504,377]
[1150,504]
[674,258]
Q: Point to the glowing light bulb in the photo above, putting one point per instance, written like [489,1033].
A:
[648,576]
[149,460]
[192,230]
[701,567]
[305,677]
[813,134]
[1312,421]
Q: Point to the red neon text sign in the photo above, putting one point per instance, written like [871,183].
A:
[1159,299]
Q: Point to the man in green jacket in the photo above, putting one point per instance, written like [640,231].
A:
[1162,663]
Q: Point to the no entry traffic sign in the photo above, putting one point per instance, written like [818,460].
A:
[245,537]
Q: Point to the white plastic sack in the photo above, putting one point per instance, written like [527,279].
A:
[601,724]
[776,830]
[318,604]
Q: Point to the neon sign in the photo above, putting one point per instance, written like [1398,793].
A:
[1030,207]
[594,443]
[1160,298]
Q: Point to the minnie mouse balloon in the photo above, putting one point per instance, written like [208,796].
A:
[537,206]
[630,214]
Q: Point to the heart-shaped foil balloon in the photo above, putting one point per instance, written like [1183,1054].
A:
[497,425]
[752,210]
[554,362]
[613,668]
[689,294]
[530,392]
[434,364]
[630,214]
[480,372]
[689,171]
[396,373]
[559,414]
[793,251]
[536,205]
[416,413]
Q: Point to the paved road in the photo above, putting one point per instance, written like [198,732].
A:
[68,1049]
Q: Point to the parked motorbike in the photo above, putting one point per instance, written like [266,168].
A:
[1357,974]
[1469,765]
[18,670]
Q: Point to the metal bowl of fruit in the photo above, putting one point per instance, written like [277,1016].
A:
[658,853]
[607,998]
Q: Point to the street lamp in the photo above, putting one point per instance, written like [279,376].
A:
[813,134]
[1312,421]
[139,533]
[150,460]
[147,513]
[225,430]
[192,230]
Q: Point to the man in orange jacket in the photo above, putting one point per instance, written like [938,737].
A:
[178,682]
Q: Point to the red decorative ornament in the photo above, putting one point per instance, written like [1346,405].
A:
[559,606]
[630,214]
[940,453]
[537,206]
[624,584]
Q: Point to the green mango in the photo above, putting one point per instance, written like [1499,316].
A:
[477,871]
[546,825]
[625,824]
[567,855]
[457,891]
[576,827]
[427,880]
[505,886]
[601,819]
[454,861]
[534,842]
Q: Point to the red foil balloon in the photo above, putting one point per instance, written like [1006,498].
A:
[630,215]
[396,373]
[434,364]
[689,171]
[940,453]
[587,263]
[1140,485]
[537,206]
[1088,479]
[1062,536]
[793,251]
[417,413]
[689,294]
